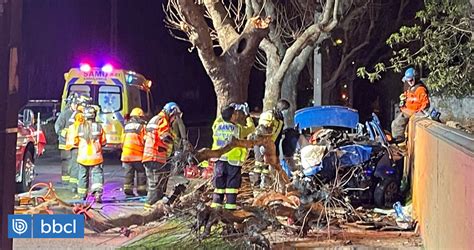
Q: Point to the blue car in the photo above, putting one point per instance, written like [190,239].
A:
[354,157]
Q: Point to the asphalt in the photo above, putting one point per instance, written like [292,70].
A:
[115,203]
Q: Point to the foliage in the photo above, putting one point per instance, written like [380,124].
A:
[442,43]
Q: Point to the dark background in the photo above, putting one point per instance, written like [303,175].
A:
[59,34]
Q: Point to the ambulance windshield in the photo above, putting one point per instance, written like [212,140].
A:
[109,99]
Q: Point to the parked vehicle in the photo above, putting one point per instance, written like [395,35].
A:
[47,108]
[115,91]
[354,159]
[29,145]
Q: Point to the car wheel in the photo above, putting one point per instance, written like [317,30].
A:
[27,169]
[386,193]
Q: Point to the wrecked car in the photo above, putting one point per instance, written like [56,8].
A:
[337,156]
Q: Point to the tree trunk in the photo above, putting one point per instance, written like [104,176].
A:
[289,88]
[272,88]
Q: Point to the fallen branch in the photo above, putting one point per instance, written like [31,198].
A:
[265,141]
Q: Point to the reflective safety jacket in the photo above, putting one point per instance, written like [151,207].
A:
[271,123]
[133,140]
[222,134]
[90,151]
[64,120]
[416,99]
[158,139]
[72,130]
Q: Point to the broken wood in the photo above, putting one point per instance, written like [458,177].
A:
[265,141]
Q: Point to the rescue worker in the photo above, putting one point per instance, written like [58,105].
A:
[90,140]
[227,171]
[64,120]
[72,147]
[414,99]
[271,122]
[133,142]
[180,136]
[158,146]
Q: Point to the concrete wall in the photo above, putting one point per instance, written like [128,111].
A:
[443,184]
[454,109]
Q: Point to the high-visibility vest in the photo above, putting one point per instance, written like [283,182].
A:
[71,134]
[223,132]
[90,153]
[416,99]
[65,119]
[271,121]
[133,141]
[157,129]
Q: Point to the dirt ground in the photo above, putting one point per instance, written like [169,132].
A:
[48,169]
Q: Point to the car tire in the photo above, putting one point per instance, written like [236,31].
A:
[386,193]
[25,184]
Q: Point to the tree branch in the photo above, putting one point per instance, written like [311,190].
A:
[265,141]
[344,62]
[222,23]
[194,24]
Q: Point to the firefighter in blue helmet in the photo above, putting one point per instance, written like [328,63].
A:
[414,99]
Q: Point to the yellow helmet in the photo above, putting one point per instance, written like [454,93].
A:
[137,112]
[266,119]
[79,118]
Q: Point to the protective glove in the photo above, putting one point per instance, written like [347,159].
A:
[401,104]
[403,97]
[246,108]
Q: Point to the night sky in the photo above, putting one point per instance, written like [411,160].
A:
[59,34]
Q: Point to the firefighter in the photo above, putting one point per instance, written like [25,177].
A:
[90,139]
[227,171]
[270,123]
[132,153]
[159,141]
[414,99]
[72,147]
[64,120]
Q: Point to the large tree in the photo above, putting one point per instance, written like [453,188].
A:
[441,43]
[227,35]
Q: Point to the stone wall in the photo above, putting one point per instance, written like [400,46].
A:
[454,109]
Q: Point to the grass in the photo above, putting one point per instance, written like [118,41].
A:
[176,234]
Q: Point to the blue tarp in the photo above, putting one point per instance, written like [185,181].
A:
[326,116]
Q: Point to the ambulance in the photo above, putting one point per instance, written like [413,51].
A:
[115,91]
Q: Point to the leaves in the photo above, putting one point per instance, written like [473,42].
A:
[442,46]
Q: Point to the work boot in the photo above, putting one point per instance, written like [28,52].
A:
[142,192]
[128,192]
[398,140]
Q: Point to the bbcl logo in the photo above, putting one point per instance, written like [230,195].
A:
[46,226]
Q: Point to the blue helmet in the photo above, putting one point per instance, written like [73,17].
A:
[171,108]
[410,73]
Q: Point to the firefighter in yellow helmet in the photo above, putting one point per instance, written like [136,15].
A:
[271,122]
[90,139]
[133,143]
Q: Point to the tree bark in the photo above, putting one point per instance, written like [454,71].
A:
[277,75]
[289,87]
[230,71]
